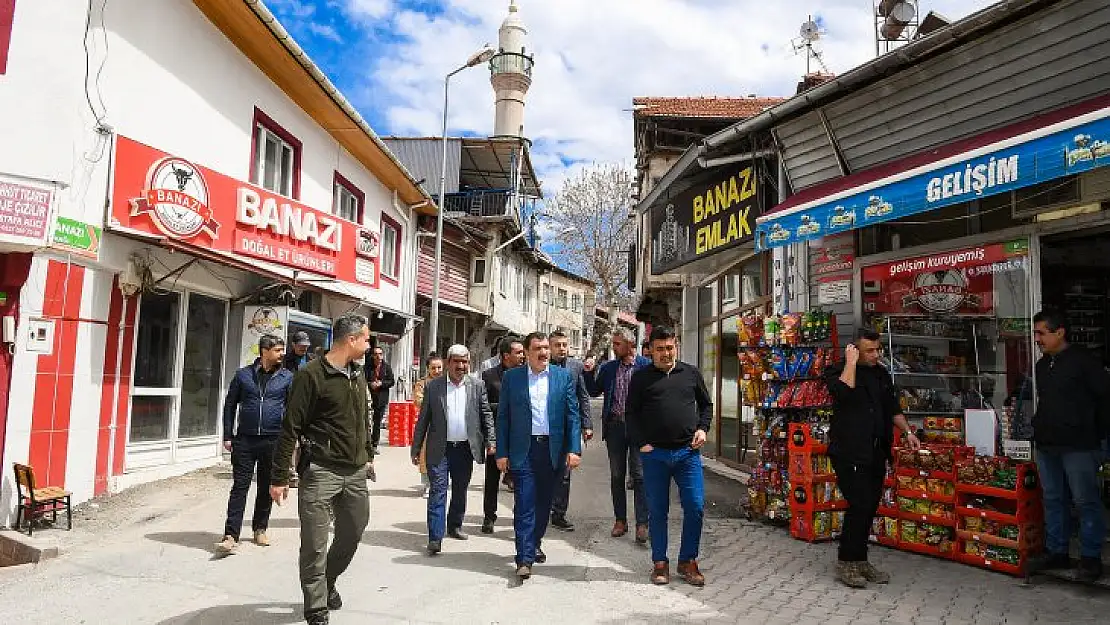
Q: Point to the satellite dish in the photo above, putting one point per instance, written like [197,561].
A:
[809,31]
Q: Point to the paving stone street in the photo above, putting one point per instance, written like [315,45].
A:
[147,556]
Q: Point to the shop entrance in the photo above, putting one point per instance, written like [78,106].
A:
[1075,278]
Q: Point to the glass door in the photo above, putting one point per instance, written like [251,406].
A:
[175,401]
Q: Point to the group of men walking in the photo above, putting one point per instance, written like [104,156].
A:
[525,416]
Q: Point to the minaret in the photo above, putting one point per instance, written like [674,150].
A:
[511,75]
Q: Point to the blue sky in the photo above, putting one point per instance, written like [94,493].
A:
[592,57]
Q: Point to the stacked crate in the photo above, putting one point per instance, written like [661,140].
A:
[1000,524]
[816,504]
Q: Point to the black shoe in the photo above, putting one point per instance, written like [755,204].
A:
[561,523]
[1090,569]
[320,618]
[487,526]
[335,602]
[541,557]
[457,534]
[1049,562]
[434,547]
[377,452]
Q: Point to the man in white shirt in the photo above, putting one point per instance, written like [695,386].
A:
[456,421]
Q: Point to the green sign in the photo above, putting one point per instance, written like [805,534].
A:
[77,237]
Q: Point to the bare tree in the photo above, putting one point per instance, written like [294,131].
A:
[597,203]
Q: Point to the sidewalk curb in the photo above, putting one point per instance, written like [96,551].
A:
[17,548]
[726,471]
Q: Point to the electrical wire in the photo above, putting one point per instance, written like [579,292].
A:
[88,58]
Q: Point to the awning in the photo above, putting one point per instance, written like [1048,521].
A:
[455,306]
[1065,142]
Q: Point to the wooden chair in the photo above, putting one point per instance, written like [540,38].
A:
[32,502]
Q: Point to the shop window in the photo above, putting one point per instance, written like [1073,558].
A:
[275,157]
[729,410]
[707,302]
[310,302]
[561,299]
[730,292]
[707,362]
[201,386]
[347,200]
[155,367]
[391,249]
[479,275]
[751,282]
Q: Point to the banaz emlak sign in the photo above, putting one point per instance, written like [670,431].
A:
[165,195]
[710,217]
[1080,148]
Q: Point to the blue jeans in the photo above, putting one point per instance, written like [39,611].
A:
[458,464]
[535,487]
[1063,470]
[684,467]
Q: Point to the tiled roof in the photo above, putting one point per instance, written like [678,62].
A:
[729,108]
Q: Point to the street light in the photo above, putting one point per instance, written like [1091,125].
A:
[483,55]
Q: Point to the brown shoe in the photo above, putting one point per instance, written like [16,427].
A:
[228,545]
[641,533]
[661,574]
[524,571]
[850,575]
[620,528]
[689,572]
[261,539]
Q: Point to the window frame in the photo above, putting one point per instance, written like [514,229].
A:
[477,279]
[263,121]
[341,182]
[395,226]
[526,305]
[561,296]
[548,294]
[505,272]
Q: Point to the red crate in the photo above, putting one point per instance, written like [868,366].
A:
[814,526]
[816,496]
[810,467]
[801,439]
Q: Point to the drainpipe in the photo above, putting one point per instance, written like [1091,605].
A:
[115,393]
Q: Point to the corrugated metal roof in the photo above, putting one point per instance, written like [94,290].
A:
[424,158]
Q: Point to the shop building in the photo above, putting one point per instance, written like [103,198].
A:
[697,266]
[160,221]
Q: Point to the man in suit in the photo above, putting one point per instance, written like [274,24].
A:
[512,356]
[560,357]
[613,379]
[539,435]
[379,378]
[457,424]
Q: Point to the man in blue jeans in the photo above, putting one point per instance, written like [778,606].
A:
[1072,420]
[668,417]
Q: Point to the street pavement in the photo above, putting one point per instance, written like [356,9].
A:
[147,556]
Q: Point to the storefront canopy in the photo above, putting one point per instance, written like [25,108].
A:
[1069,141]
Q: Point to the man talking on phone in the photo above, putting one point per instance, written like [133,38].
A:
[865,412]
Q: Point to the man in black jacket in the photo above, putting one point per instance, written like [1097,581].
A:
[560,357]
[1072,420]
[511,352]
[668,416]
[379,378]
[327,412]
[253,410]
[865,411]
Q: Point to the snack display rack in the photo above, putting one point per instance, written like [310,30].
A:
[816,504]
[948,503]
[783,358]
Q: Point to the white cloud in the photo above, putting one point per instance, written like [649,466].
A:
[324,30]
[594,56]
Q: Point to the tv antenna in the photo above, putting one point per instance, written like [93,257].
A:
[808,36]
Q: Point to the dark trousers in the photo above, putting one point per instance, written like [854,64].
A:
[247,454]
[377,415]
[327,494]
[535,485]
[489,489]
[560,498]
[862,487]
[456,466]
[624,458]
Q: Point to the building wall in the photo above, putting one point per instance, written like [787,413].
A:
[170,79]
[558,317]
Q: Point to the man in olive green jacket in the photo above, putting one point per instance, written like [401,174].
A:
[327,413]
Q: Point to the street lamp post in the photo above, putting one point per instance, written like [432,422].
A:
[481,56]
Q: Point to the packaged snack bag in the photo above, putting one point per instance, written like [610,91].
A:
[751,330]
[790,334]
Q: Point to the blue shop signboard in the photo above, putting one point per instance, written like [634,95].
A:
[1074,150]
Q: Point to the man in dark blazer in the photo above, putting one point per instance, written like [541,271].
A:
[560,357]
[511,353]
[458,426]
[379,379]
[539,434]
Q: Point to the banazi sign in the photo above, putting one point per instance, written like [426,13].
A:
[1080,148]
[708,218]
[162,194]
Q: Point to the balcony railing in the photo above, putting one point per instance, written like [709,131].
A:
[480,204]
